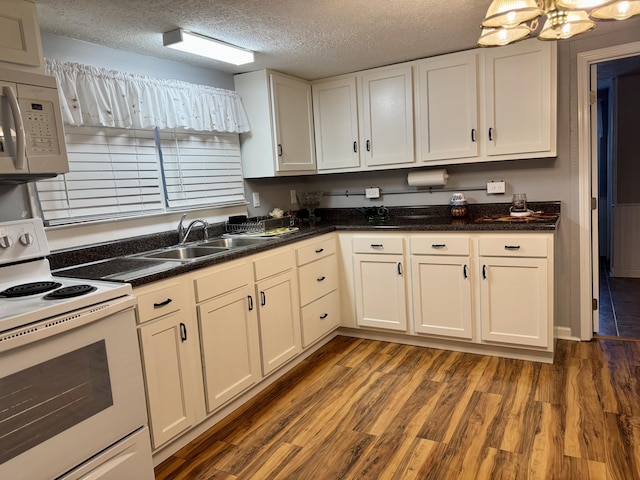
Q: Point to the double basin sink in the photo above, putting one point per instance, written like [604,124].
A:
[200,250]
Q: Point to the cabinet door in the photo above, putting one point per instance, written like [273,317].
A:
[448,104]
[279,320]
[380,291]
[293,123]
[519,84]
[514,300]
[165,355]
[387,98]
[229,345]
[335,114]
[442,295]
[20,33]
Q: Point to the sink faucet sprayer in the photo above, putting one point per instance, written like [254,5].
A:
[184,234]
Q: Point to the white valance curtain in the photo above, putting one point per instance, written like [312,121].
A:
[93,96]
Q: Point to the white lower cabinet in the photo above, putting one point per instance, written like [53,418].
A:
[318,283]
[278,310]
[482,290]
[516,291]
[229,343]
[228,332]
[441,286]
[168,339]
[380,290]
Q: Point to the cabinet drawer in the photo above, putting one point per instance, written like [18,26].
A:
[319,318]
[513,247]
[160,301]
[273,264]
[440,245]
[317,250]
[378,245]
[318,278]
[222,280]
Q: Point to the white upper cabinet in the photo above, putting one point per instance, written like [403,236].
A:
[485,105]
[335,115]
[280,114]
[447,93]
[387,100]
[365,121]
[520,93]
[19,35]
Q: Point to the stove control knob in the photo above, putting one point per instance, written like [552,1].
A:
[5,241]
[26,239]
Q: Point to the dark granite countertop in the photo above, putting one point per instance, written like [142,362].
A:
[111,261]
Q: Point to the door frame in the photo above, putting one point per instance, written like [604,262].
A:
[585,167]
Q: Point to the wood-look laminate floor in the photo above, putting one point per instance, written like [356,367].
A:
[362,409]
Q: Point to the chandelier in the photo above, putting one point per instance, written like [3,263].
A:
[508,21]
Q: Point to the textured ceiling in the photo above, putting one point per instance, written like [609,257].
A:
[307,38]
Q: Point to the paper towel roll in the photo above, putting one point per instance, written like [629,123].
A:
[428,178]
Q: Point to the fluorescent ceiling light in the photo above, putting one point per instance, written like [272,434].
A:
[207,47]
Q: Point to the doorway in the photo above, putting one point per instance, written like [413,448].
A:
[618,172]
[588,182]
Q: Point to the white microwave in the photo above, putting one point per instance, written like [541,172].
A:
[32,142]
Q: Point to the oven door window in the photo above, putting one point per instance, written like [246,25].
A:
[41,401]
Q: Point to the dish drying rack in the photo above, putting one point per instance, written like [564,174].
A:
[264,226]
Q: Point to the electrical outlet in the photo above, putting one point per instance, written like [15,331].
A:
[256,199]
[292,194]
[373,192]
[496,187]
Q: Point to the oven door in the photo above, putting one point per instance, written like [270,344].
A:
[70,387]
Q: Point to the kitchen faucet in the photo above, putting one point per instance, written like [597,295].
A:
[184,234]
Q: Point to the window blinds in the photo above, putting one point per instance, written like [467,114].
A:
[201,169]
[113,173]
[127,172]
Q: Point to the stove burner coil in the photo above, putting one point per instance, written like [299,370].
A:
[27,289]
[69,292]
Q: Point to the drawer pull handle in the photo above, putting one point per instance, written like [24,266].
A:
[320,250]
[473,134]
[321,278]
[250,299]
[438,245]
[512,247]
[399,268]
[162,304]
[464,272]
[491,134]
[183,332]
[484,271]
[322,317]
[355,147]
[377,245]
[279,149]
[368,145]
[263,299]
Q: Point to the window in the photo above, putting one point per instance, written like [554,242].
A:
[128,172]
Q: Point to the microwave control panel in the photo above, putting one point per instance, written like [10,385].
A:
[40,128]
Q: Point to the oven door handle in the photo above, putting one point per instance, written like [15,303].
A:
[17,119]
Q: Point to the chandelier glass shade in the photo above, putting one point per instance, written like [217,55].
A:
[508,21]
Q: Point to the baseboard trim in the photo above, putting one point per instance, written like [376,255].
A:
[564,333]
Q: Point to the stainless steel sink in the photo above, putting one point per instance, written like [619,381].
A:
[184,253]
[233,242]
